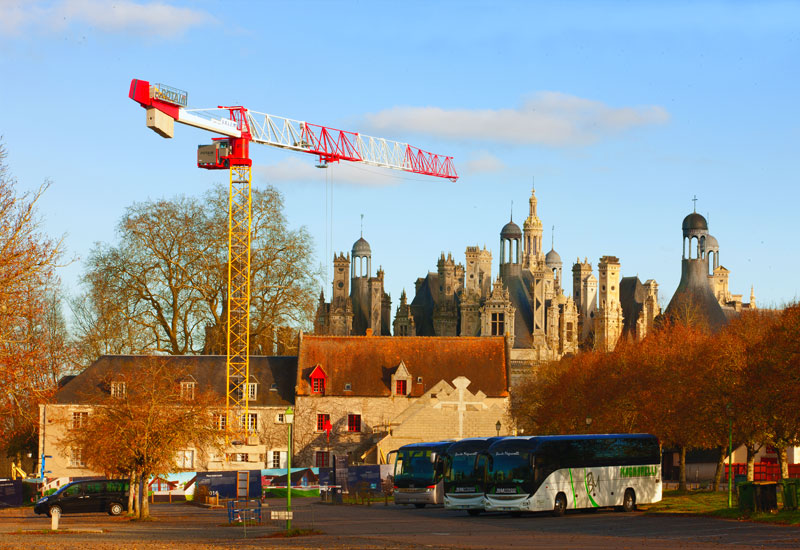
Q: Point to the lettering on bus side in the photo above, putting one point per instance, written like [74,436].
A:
[638,471]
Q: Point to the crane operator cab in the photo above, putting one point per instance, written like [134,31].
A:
[214,156]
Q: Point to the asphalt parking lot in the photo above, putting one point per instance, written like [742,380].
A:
[378,526]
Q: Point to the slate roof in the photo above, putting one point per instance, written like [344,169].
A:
[207,370]
[368,362]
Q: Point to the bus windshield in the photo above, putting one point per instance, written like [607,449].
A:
[414,465]
[463,467]
[511,467]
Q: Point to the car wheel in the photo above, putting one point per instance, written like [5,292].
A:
[115,509]
[474,512]
[55,509]
[629,501]
[560,505]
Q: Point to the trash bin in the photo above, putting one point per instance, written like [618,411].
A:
[766,496]
[336,495]
[790,488]
[747,496]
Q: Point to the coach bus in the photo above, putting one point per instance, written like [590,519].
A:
[465,474]
[562,472]
[418,473]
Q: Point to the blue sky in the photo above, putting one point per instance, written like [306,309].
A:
[622,111]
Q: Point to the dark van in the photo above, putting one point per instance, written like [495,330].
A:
[94,495]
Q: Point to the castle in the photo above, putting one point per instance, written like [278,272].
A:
[526,301]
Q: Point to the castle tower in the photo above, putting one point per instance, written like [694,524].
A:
[510,237]
[532,240]
[341,309]
[608,325]
[588,307]
[445,314]
[360,293]
[403,320]
[553,263]
[478,276]
[694,300]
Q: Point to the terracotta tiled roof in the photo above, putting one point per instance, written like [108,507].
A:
[368,362]
[207,370]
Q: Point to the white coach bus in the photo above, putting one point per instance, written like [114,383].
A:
[564,472]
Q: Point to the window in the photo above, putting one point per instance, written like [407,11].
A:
[250,423]
[273,387]
[321,459]
[280,418]
[276,459]
[318,385]
[185,459]
[76,458]
[220,421]
[118,389]
[569,332]
[252,392]
[419,380]
[238,457]
[353,422]
[187,390]
[323,422]
[403,329]
[348,387]
[79,420]
[498,324]
[400,387]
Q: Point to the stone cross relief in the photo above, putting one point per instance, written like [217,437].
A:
[461,403]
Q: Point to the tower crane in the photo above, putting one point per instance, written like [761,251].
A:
[238,127]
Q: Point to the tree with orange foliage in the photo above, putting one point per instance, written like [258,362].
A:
[33,349]
[141,419]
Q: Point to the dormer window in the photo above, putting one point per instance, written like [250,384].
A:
[118,389]
[187,390]
[348,387]
[252,391]
[318,379]
[401,380]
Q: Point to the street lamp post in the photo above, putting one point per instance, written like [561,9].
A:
[588,422]
[289,418]
[497,427]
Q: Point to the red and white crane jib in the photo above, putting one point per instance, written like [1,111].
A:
[165,105]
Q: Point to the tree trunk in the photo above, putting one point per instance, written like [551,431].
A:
[142,497]
[751,460]
[720,468]
[135,489]
[682,470]
[783,461]
[131,493]
[145,499]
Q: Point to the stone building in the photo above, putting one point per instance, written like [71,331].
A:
[702,294]
[363,396]
[526,301]
[358,304]
[271,389]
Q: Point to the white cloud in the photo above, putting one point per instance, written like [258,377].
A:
[547,118]
[294,169]
[143,18]
[483,161]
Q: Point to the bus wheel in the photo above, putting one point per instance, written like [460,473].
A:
[560,506]
[629,501]
[419,505]
[474,512]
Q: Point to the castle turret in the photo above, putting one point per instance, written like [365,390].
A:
[694,301]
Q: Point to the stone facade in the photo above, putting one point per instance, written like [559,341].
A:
[357,305]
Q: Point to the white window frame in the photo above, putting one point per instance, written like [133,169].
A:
[79,419]
[76,458]
[188,390]
[252,391]
[280,418]
[220,421]
[184,459]
[252,418]
[119,389]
